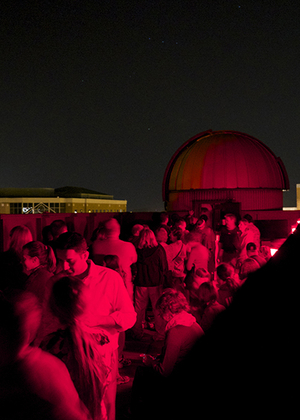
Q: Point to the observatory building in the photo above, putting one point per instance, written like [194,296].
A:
[218,167]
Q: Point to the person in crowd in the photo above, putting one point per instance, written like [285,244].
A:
[85,353]
[199,254]
[161,236]
[151,273]
[180,223]
[228,284]
[109,307]
[98,233]
[249,265]
[39,263]
[207,239]
[254,229]
[192,286]
[34,384]
[58,227]
[113,245]
[182,332]
[265,252]
[164,220]
[135,233]
[246,237]
[12,275]
[191,220]
[47,235]
[252,252]
[206,232]
[209,307]
[229,241]
[176,253]
[113,262]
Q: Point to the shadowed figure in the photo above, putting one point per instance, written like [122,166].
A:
[246,364]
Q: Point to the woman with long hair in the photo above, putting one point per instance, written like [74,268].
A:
[78,346]
[39,263]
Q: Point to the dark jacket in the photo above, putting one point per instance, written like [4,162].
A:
[151,267]
[36,282]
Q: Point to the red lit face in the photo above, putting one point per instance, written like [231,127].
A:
[72,262]
[30,263]
[242,226]
[230,223]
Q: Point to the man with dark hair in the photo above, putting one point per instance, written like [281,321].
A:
[254,229]
[109,307]
[229,240]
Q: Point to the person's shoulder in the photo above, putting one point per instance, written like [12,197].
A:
[38,360]
[128,245]
[179,331]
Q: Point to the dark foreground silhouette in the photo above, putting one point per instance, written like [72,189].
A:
[247,364]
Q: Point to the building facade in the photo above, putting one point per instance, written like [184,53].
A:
[58,200]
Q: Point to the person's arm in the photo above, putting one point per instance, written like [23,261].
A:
[190,261]
[123,315]
[220,252]
[166,366]
[107,322]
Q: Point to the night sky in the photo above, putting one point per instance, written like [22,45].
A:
[100,94]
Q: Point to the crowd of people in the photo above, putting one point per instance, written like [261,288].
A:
[66,304]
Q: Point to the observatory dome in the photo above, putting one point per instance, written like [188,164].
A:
[224,165]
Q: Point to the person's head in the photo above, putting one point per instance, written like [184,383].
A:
[251,249]
[193,237]
[226,276]
[176,235]
[68,302]
[248,217]
[47,234]
[136,229]
[112,261]
[164,218]
[19,236]
[225,271]
[112,228]
[37,254]
[72,253]
[161,235]
[99,233]
[147,239]
[248,266]
[243,225]
[265,252]
[171,303]
[201,222]
[180,224]
[207,293]
[230,221]
[58,227]
[20,317]
[203,219]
